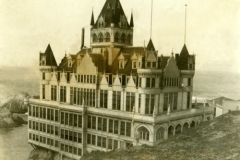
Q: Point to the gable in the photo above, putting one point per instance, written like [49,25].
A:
[171,69]
[151,56]
[87,66]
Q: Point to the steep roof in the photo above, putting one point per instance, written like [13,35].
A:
[150,46]
[92,20]
[183,59]
[131,21]
[112,12]
[50,59]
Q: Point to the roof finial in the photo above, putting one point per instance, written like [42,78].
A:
[151,20]
[185,24]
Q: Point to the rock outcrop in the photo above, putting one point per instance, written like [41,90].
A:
[9,110]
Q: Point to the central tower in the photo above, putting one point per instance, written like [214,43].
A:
[111,28]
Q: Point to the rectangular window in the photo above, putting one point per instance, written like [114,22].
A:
[62,117]
[148,64]
[43,91]
[122,129]
[104,142]
[148,82]
[93,140]
[30,111]
[116,99]
[104,125]
[99,141]
[63,94]
[154,64]
[70,136]
[89,138]
[128,129]
[188,99]
[110,128]
[189,82]
[170,99]
[44,113]
[149,107]
[75,120]
[99,123]
[80,121]
[130,101]
[53,92]
[37,111]
[52,115]
[116,125]
[48,114]
[56,130]
[75,139]
[41,112]
[56,115]
[66,118]
[103,98]
[43,76]
[79,137]
[70,119]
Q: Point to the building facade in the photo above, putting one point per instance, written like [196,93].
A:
[112,94]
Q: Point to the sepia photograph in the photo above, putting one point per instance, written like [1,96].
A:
[119,80]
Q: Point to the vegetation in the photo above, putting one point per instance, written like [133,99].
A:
[216,139]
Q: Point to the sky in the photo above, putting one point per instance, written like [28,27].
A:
[213,29]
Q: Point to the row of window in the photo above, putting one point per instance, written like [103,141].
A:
[71,149]
[42,127]
[77,95]
[43,113]
[80,78]
[71,119]
[117,38]
[43,140]
[109,125]
[71,136]
[102,141]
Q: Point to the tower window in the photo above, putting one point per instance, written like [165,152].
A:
[123,37]
[116,37]
[100,37]
[95,38]
[107,37]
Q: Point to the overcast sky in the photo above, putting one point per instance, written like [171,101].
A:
[213,29]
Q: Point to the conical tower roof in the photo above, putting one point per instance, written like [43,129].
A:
[112,12]
[183,59]
[150,46]
[50,59]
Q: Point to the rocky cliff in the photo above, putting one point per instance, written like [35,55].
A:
[9,110]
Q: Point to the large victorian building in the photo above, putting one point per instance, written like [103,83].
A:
[112,94]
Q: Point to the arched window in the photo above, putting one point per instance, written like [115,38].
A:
[129,39]
[107,37]
[100,37]
[193,124]
[116,37]
[123,38]
[178,129]
[95,38]
[185,126]
[144,133]
[170,130]
[160,133]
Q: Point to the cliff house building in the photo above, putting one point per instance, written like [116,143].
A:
[113,94]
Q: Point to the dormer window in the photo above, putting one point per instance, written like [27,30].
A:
[134,65]
[121,64]
[69,63]
[139,64]
[148,64]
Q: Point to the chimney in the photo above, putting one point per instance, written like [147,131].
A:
[83,32]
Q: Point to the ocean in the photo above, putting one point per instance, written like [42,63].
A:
[13,142]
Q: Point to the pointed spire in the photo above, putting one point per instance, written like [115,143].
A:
[131,21]
[92,19]
[50,59]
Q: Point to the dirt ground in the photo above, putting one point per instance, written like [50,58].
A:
[217,139]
